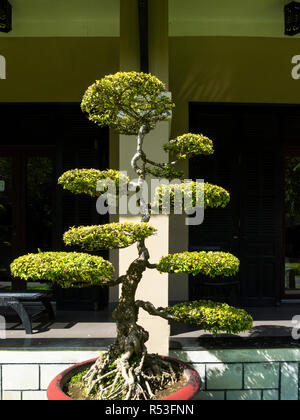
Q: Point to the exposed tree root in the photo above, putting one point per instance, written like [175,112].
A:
[128,378]
[127,371]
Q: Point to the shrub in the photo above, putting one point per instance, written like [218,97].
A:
[190,193]
[210,264]
[65,269]
[85,181]
[127,101]
[133,103]
[189,145]
[111,236]
[212,316]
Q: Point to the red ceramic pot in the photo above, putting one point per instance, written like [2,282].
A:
[190,390]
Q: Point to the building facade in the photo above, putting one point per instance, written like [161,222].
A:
[234,76]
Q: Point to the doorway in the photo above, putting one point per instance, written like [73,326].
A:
[35,211]
[27,202]
[261,225]
[292,224]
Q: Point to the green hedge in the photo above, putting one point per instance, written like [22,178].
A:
[213,317]
[189,145]
[190,192]
[65,269]
[127,101]
[85,181]
[211,264]
[111,236]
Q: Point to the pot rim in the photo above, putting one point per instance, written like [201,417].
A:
[192,387]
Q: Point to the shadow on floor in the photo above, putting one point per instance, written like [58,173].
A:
[268,322]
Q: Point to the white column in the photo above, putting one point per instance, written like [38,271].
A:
[154,286]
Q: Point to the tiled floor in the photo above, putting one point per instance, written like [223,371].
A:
[268,322]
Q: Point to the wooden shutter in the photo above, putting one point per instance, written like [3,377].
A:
[220,225]
[79,149]
[247,163]
[260,212]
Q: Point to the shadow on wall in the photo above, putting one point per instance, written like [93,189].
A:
[259,331]
[246,374]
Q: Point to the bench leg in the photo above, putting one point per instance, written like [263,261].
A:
[19,308]
[49,308]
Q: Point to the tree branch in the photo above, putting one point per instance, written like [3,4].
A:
[151,266]
[148,307]
[141,172]
[139,153]
[161,165]
[116,282]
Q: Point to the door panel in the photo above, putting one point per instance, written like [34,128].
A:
[6,215]
[291,287]
[260,221]
[39,203]
[26,223]
[221,226]
[247,163]
[27,217]
[90,152]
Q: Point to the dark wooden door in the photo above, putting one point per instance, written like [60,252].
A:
[74,143]
[220,225]
[27,211]
[247,164]
[83,145]
[260,210]
[7,217]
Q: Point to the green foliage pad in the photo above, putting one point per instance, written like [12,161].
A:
[127,101]
[111,236]
[68,270]
[212,316]
[189,145]
[85,181]
[211,264]
[188,194]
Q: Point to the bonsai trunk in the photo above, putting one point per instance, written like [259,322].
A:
[126,369]
[135,373]
[131,338]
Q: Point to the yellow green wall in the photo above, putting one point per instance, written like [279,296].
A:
[253,18]
[225,69]
[230,69]
[55,69]
[64,18]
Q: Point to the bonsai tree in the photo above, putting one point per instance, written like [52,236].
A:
[132,104]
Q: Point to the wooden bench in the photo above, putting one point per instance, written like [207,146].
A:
[16,300]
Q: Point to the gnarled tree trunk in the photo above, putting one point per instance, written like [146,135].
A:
[136,374]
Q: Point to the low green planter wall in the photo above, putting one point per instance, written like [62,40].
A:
[25,375]
[230,374]
[246,374]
